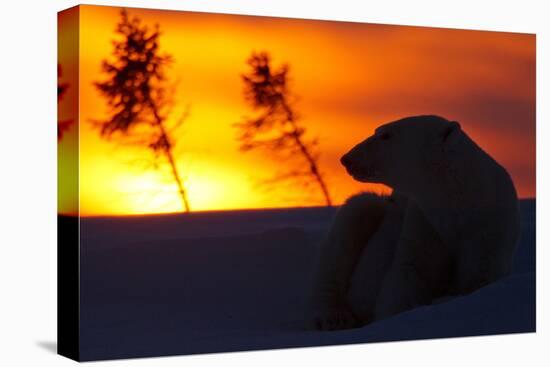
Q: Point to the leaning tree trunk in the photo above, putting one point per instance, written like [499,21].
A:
[181,189]
[167,149]
[314,170]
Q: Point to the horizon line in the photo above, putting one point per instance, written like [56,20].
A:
[203,211]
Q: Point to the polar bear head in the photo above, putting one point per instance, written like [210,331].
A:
[402,153]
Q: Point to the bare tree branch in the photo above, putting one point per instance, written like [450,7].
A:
[62,125]
[276,129]
[138,95]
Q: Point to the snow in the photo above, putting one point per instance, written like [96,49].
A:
[229,281]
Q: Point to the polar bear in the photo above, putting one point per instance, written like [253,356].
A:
[450,226]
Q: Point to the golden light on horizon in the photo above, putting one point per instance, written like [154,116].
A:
[349,78]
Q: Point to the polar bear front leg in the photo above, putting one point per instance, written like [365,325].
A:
[356,221]
[421,269]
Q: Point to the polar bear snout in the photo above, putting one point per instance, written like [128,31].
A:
[346,161]
[357,169]
[358,162]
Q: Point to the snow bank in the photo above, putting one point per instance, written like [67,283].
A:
[213,282]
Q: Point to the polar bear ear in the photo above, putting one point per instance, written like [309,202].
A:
[449,130]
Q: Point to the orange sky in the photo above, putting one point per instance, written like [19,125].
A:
[349,78]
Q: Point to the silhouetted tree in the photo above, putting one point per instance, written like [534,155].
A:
[138,95]
[276,128]
[62,125]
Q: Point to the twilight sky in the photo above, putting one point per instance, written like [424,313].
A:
[349,78]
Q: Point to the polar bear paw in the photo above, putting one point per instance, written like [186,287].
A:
[335,318]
